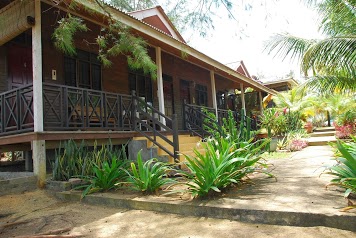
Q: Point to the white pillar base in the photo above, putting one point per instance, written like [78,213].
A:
[39,162]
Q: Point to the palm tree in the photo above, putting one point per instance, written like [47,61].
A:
[293,99]
[332,61]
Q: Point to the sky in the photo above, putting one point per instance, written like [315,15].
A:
[243,38]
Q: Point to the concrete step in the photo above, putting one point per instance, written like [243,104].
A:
[321,129]
[183,139]
[243,210]
[187,149]
[317,141]
[322,133]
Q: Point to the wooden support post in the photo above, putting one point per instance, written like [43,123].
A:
[175,138]
[160,93]
[261,101]
[213,91]
[243,97]
[38,146]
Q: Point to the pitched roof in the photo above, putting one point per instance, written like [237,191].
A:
[157,18]
[242,69]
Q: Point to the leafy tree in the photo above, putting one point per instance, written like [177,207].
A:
[113,40]
[133,5]
[331,60]
[184,14]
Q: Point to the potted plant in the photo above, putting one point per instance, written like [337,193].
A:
[268,120]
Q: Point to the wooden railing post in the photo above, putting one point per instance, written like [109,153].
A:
[86,108]
[2,110]
[18,110]
[184,114]
[175,138]
[119,109]
[66,106]
[105,114]
[134,110]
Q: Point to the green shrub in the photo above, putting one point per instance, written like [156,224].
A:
[280,122]
[222,165]
[148,177]
[230,129]
[70,161]
[77,161]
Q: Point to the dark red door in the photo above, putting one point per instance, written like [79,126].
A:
[19,66]
[20,74]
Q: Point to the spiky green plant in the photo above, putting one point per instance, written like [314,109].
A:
[106,177]
[70,161]
[221,165]
[78,161]
[345,170]
[148,176]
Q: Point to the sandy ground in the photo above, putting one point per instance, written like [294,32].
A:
[35,213]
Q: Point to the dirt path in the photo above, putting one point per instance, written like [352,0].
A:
[35,213]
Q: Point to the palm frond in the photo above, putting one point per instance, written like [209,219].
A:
[330,84]
[338,17]
[332,54]
[286,45]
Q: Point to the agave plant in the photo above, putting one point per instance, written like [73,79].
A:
[345,170]
[222,164]
[148,177]
[107,176]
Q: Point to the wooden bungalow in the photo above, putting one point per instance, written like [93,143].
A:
[47,96]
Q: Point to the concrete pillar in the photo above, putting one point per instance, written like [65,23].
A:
[160,92]
[213,91]
[261,101]
[243,97]
[38,146]
[28,161]
[39,161]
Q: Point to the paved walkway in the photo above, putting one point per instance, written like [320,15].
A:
[300,187]
[297,198]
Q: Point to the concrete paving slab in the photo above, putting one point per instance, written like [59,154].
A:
[297,198]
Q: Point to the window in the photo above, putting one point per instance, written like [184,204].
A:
[142,85]
[201,95]
[83,71]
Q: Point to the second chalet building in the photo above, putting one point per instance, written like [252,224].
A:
[47,96]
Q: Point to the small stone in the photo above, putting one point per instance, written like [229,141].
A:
[75,181]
